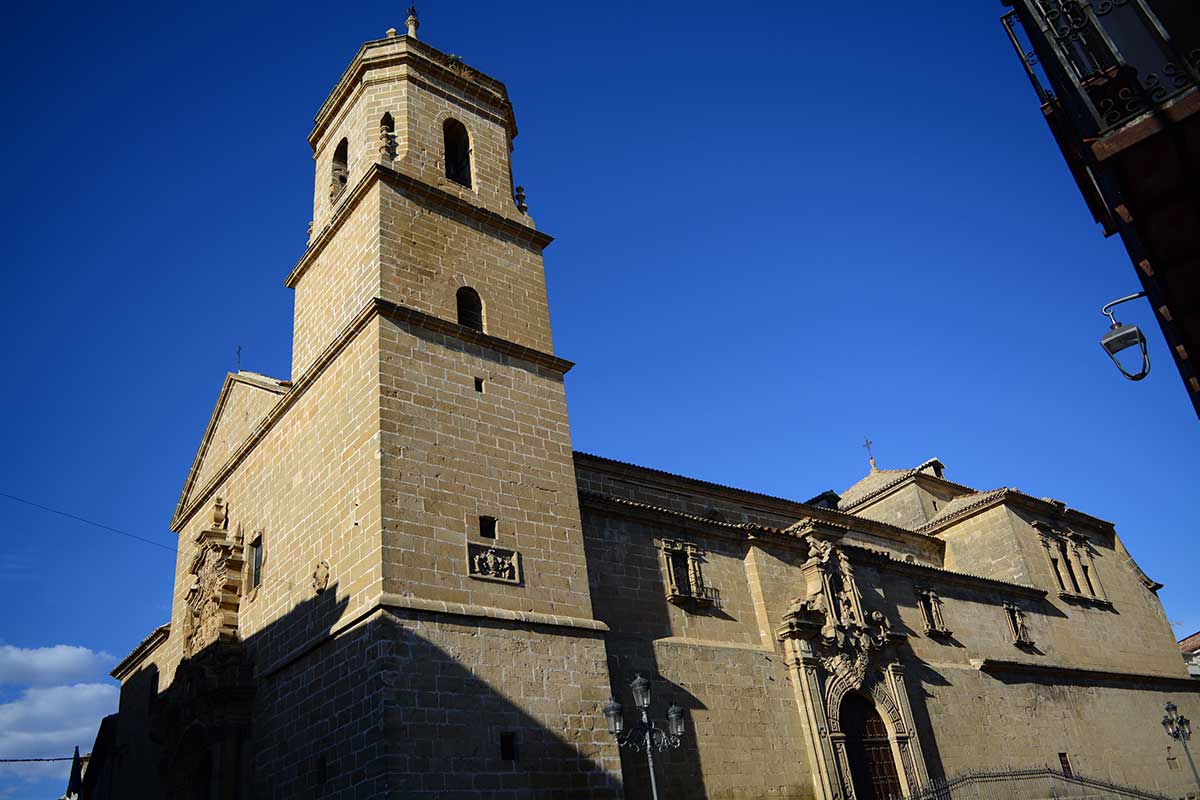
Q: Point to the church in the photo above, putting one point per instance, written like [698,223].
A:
[397,579]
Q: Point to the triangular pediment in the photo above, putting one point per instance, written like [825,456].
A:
[243,403]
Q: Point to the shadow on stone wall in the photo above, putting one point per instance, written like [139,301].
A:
[395,704]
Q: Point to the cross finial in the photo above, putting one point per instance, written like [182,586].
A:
[870,456]
[412,23]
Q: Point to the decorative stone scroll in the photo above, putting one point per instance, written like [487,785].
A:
[215,592]
[493,563]
[835,645]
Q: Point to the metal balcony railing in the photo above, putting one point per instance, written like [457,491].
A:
[1106,62]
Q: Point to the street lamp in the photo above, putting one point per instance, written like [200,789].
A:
[1179,728]
[644,734]
[1121,337]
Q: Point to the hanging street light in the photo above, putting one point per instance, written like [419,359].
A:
[1179,728]
[644,734]
[1122,337]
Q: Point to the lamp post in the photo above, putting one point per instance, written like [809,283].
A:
[1179,728]
[1120,337]
[644,734]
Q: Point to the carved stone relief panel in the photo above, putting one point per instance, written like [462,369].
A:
[493,563]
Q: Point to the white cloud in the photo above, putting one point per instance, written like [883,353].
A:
[51,666]
[50,722]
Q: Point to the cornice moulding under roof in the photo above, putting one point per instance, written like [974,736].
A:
[793,509]
[400,50]
[413,187]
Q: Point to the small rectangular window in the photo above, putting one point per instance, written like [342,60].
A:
[487,527]
[256,564]
[479,385]
[508,746]
[1065,763]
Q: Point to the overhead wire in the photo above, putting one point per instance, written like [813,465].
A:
[86,521]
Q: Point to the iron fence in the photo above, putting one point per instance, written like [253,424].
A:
[1039,783]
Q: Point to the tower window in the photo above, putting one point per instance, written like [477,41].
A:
[340,171]
[470,309]
[479,385]
[458,152]
[508,746]
[487,527]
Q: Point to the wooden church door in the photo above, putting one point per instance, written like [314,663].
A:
[869,751]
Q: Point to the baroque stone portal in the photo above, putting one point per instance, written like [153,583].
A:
[835,646]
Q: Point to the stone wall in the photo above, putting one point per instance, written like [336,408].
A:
[451,454]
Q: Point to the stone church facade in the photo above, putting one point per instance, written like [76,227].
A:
[396,578]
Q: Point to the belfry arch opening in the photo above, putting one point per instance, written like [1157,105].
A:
[387,135]
[470,308]
[457,143]
[869,750]
[339,173]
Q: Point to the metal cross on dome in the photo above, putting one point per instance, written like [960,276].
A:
[870,456]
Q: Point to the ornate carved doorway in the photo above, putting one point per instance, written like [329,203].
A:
[869,750]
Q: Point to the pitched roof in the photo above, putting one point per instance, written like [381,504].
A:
[251,396]
[1191,643]
[878,481]
[961,505]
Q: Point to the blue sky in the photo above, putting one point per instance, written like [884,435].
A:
[781,227]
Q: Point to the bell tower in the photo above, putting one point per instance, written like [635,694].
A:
[418,239]
[424,257]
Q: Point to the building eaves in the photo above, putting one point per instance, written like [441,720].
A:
[144,648]
[796,508]
[973,504]
[1190,644]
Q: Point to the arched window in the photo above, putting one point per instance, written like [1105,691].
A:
[458,152]
[470,308]
[340,172]
[387,136]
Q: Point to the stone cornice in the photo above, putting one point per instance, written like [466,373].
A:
[389,601]
[410,186]
[397,312]
[374,308]
[395,51]
[146,647]
[1080,675]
